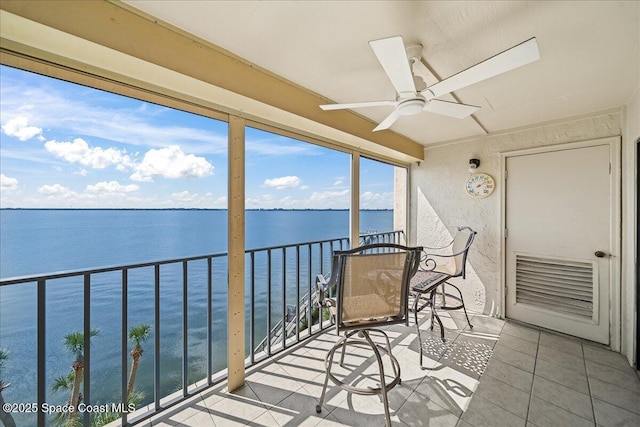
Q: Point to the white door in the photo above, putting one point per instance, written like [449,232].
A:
[559,216]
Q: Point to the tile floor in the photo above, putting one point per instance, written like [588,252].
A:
[496,374]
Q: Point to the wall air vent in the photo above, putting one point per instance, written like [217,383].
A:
[557,285]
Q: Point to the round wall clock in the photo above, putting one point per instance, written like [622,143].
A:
[480,185]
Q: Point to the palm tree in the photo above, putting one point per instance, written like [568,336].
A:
[5,417]
[74,342]
[138,334]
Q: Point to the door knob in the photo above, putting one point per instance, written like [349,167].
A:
[600,254]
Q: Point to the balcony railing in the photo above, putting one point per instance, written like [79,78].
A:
[185,302]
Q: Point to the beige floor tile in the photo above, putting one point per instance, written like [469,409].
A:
[504,395]
[482,413]
[615,395]
[201,419]
[608,415]
[419,410]
[483,323]
[545,414]
[563,397]
[237,408]
[518,378]
[514,358]
[360,410]
[519,344]
[265,420]
[454,398]
[182,411]
[626,379]
[298,409]
[521,332]
[411,372]
[274,386]
[563,359]
[329,421]
[573,379]
[560,343]
[605,357]
[469,354]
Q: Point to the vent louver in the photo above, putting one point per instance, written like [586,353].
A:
[559,285]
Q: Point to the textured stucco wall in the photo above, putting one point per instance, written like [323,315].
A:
[440,203]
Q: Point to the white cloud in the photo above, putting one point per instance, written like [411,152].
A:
[70,109]
[184,196]
[283,182]
[112,187]
[171,162]
[330,199]
[19,128]
[79,151]
[7,183]
[54,190]
[338,181]
[196,200]
[370,200]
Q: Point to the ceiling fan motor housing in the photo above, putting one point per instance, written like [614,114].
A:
[410,106]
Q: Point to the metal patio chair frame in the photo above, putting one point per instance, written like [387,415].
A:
[371,285]
[434,274]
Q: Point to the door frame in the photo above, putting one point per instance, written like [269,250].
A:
[615,229]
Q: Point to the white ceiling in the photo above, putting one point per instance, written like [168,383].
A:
[589,52]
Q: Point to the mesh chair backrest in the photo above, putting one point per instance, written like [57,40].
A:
[373,287]
[461,243]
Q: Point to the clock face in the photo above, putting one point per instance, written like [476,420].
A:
[480,185]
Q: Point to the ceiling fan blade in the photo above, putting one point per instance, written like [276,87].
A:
[357,105]
[386,123]
[393,58]
[512,58]
[451,109]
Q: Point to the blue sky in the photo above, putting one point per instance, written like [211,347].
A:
[64,145]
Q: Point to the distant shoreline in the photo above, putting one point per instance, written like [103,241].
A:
[177,209]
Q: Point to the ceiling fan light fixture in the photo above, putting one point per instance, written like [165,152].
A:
[410,107]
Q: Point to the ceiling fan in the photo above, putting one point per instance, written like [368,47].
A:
[413,95]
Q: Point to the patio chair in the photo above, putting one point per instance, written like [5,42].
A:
[438,266]
[371,291]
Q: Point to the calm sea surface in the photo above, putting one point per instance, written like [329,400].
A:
[45,241]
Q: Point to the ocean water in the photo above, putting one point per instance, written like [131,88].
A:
[45,241]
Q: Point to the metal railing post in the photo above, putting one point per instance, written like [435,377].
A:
[42,352]
[185,329]
[123,342]
[156,339]
[86,380]
[209,320]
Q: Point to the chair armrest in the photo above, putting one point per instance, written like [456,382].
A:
[435,262]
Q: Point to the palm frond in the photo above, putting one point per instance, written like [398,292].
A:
[64,382]
[74,342]
[139,333]
[4,356]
